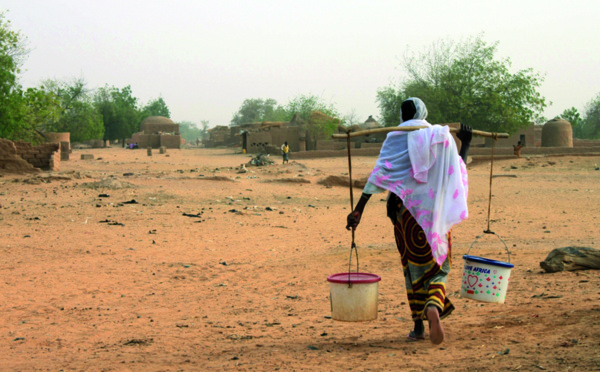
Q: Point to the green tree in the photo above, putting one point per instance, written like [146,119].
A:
[189,131]
[350,118]
[305,104]
[320,118]
[204,129]
[389,100]
[319,126]
[464,82]
[41,110]
[156,107]
[572,116]
[78,115]
[591,123]
[255,110]
[119,110]
[12,102]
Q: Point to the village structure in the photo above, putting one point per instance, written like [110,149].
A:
[157,132]
[555,136]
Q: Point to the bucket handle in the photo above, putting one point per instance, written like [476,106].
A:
[491,233]
[355,249]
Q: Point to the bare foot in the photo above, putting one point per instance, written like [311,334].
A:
[418,333]
[436,332]
[412,336]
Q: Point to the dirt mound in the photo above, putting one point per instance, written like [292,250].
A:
[45,178]
[299,165]
[77,175]
[331,181]
[14,164]
[287,180]
[108,183]
[217,178]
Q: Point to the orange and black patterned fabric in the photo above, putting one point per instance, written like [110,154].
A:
[425,279]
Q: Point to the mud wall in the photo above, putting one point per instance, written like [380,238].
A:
[325,145]
[585,143]
[329,145]
[24,157]
[170,141]
[505,151]
[257,140]
[146,140]
[96,143]
[289,134]
[527,135]
[333,153]
[366,145]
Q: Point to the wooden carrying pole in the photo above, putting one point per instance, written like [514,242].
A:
[410,129]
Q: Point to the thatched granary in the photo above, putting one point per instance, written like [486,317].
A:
[371,123]
[557,133]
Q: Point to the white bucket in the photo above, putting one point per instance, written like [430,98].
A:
[484,279]
[354,296]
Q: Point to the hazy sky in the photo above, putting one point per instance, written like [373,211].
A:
[205,57]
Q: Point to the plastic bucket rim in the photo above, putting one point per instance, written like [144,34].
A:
[342,278]
[488,261]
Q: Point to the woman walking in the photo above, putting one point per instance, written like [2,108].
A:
[426,178]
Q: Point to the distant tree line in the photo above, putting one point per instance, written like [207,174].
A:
[63,106]
[588,126]
[459,82]
[257,110]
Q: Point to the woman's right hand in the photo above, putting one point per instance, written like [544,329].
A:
[465,134]
[353,220]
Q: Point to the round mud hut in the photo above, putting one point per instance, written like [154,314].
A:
[557,133]
[157,123]
[157,131]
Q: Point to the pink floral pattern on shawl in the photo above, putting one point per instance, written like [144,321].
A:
[424,175]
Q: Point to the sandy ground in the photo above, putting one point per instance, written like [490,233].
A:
[93,283]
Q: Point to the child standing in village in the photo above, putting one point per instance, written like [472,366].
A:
[285,151]
[517,149]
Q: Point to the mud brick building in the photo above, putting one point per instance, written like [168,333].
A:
[24,157]
[156,132]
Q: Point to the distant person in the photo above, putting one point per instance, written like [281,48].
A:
[518,148]
[131,145]
[285,151]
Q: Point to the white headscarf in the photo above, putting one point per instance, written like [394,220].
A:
[421,113]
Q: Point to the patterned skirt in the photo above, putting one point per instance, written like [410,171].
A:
[425,279]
